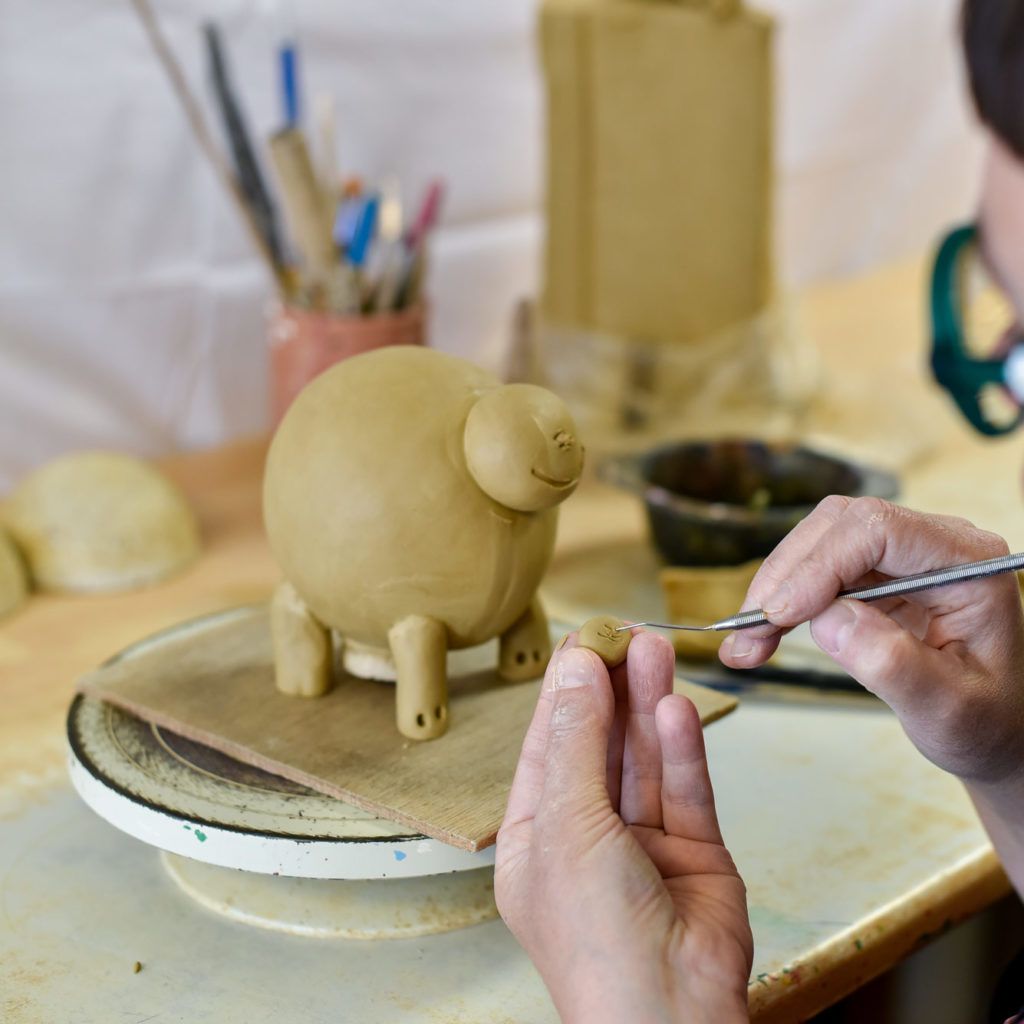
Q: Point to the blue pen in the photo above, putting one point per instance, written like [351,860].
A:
[289,67]
[363,232]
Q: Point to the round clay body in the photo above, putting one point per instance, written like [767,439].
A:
[602,635]
[100,521]
[374,512]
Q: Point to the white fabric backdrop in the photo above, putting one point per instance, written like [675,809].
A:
[131,305]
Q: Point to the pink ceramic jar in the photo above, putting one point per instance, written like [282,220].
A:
[306,342]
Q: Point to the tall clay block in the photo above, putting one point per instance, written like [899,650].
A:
[659,167]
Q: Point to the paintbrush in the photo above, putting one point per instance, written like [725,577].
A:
[247,168]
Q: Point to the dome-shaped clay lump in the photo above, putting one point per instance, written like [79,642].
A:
[410,499]
[13,579]
[94,521]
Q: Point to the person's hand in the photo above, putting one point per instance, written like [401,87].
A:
[611,871]
[949,662]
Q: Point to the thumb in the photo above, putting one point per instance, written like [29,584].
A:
[880,654]
[581,717]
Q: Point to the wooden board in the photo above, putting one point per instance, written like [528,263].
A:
[212,681]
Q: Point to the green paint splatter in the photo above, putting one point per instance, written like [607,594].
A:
[858,943]
[201,836]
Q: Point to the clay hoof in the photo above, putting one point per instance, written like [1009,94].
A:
[525,658]
[427,724]
[524,664]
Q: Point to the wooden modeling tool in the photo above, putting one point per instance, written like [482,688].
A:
[327,149]
[304,204]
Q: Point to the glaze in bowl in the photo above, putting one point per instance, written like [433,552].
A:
[727,501]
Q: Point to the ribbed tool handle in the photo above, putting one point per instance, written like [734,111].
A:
[742,620]
[937,578]
[895,588]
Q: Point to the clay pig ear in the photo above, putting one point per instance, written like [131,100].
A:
[521,447]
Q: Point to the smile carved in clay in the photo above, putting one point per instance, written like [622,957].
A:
[550,480]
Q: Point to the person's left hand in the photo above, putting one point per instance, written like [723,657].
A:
[611,871]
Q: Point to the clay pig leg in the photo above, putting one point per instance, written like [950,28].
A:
[302,646]
[525,646]
[419,646]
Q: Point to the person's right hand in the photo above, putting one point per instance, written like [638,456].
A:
[949,662]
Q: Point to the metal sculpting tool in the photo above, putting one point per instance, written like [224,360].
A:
[875,592]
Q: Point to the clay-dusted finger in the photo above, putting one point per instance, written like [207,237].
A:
[528,783]
[651,664]
[602,634]
[581,719]
[619,676]
[688,801]
[779,566]
[760,643]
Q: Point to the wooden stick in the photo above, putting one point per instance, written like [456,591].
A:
[303,201]
[330,180]
[194,115]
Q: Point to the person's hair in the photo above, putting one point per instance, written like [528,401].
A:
[993,34]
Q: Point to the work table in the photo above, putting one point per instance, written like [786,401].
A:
[855,850]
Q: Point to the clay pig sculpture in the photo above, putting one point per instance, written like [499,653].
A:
[411,502]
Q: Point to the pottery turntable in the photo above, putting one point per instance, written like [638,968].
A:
[262,847]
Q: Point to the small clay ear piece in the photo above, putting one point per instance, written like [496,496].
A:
[603,636]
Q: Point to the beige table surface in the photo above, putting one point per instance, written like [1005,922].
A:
[854,849]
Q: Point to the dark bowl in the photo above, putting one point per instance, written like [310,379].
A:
[726,502]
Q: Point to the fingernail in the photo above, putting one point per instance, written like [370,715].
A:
[775,603]
[739,646]
[832,628]
[574,668]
